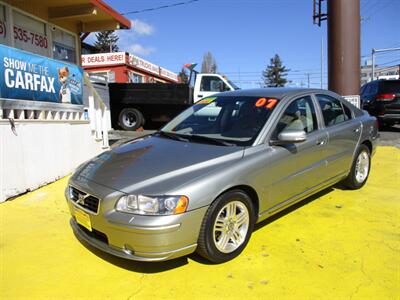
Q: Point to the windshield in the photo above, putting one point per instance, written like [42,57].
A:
[237,120]
[235,87]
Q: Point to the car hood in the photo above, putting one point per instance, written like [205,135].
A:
[157,162]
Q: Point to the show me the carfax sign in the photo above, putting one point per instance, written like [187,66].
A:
[33,77]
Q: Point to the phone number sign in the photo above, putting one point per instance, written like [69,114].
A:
[2,30]
[28,40]
[30,37]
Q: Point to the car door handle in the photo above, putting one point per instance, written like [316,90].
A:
[201,96]
[357,130]
[321,142]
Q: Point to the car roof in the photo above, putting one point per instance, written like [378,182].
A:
[279,92]
[383,80]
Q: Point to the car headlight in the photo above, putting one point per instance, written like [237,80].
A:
[70,193]
[152,205]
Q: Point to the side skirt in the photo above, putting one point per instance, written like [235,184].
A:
[281,206]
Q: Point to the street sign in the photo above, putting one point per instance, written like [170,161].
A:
[353,99]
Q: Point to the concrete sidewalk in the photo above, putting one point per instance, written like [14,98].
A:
[339,244]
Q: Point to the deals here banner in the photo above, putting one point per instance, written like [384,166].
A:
[32,77]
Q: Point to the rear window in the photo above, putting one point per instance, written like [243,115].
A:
[390,87]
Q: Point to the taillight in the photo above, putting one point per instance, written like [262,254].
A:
[385,97]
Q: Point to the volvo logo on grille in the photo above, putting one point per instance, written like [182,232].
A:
[81,199]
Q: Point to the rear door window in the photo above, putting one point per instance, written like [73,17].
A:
[332,110]
[347,112]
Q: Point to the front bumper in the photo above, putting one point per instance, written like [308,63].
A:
[125,252]
[138,237]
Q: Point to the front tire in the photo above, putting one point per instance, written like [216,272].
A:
[360,168]
[226,227]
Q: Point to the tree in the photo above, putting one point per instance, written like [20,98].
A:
[106,40]
[209,65]
[275,73]
[183,76]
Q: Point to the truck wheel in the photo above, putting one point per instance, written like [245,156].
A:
[130,119]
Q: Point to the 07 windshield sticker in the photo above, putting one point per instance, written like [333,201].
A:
[267,103]
[207,100]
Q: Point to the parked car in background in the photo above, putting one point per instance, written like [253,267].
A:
[219,167]
[381,98]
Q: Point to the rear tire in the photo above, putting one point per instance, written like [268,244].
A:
[226,227]
[360,169]
[130,119]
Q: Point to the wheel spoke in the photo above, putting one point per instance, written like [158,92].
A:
[231,212]
[237,237]
[219,224]
[223,241]
[241,219]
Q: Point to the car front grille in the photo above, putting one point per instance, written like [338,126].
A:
[85,200]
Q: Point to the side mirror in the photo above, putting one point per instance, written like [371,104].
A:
[290,136]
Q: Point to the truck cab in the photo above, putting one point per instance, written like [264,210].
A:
[206,85]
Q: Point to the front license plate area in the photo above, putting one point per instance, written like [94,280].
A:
[83,219]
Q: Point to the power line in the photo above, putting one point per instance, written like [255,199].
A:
[389,62]
[381,8]
[159,7]
[294,72]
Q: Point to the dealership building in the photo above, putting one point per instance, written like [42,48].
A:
[44,130]
[122,67]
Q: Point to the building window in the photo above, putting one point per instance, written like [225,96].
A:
[3,28]
[30,34]
[135,78]
[64,46]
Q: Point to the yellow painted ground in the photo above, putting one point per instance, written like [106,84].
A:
[342,245]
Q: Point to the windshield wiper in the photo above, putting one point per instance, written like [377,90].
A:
[209,139]
[171,135]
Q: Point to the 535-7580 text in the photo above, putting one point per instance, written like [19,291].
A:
[30,37]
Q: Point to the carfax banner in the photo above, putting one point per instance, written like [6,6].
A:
[33,77]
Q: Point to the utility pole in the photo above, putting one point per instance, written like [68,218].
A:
[308,80]
[374,51]
[322,62]
[344,46]
[343,43]
[373,64]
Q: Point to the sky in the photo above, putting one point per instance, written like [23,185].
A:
[243,35]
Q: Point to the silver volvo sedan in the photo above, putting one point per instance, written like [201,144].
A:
[224,164]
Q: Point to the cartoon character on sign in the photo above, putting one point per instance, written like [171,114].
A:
[65,91]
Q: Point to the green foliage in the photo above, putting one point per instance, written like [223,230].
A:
[105,39]
[275,73]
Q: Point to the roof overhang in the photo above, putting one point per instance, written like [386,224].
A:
[85,15]
[91,15]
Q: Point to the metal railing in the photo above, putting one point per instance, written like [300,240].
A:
[97,113]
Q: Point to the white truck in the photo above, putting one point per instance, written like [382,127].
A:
[132,104]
